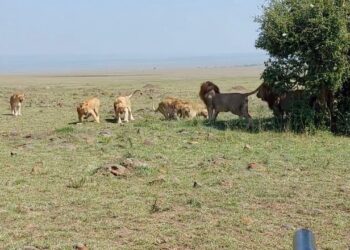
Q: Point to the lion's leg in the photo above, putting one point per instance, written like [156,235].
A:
[250,122]
[131,116]
[96,118]
[245,114]
[97,115]
[210,113]
[214,115]
[126,115]
[119,120]
[19,109]
[16,110]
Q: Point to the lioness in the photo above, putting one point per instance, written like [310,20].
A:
[16,103]
[190,109]
[167,108]
[237,103]
[174,108]
[122,108]
[89,108]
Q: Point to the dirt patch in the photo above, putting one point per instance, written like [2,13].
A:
[122,168]
[150,86]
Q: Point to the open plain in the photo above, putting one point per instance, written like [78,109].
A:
[156,184]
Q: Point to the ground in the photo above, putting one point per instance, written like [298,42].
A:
[187,184]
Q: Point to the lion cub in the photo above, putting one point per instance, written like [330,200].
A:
[89,108]
[122,108]
[16,103]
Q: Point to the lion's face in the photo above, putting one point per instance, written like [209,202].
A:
[82,109]
[21,98]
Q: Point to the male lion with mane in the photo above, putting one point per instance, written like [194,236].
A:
[216,102]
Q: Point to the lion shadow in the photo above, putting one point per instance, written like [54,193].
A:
[259,125]
[111,120]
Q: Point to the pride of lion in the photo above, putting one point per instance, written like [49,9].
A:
[173,108]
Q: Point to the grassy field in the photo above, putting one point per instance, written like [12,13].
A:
[187,184]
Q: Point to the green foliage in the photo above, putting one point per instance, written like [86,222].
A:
[65,130]
[308,43]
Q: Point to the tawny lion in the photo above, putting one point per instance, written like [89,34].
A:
[89,108]
[216,102]
[16,101]
[174,108]
[122,108]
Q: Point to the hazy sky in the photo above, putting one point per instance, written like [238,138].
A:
[128,27]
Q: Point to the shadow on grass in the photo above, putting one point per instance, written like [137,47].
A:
[8,114]
[259,125]
[73,123]
[111,120]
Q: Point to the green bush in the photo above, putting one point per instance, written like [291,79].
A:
[308,44]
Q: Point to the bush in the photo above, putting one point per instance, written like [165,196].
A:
[308,45]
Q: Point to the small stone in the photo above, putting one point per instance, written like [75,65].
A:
[81,246]
[256,166]
[106,133]
[118,170]
[247,147]
[196,185]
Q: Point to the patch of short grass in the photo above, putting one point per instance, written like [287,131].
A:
[65,130]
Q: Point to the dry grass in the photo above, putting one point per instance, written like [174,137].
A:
[56,190]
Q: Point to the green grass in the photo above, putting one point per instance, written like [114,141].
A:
[54,192]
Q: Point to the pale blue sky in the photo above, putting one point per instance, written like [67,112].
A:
[128,27]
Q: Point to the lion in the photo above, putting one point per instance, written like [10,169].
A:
[190,109]
[283,103]
[167,108]
[175,108]
[122,108]
[16,101]
[217,102]
[89,108]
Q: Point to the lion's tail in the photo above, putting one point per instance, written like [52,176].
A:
[252,92]
[207,87]
[134,93]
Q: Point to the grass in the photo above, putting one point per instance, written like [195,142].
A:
[55,195]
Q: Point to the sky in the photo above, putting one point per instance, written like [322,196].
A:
[128,27]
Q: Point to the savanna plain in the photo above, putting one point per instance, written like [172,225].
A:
[186,184]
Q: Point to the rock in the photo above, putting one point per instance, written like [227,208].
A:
[118,170]
[256,166]
[81,246]
[106,133]
[247,147]
[196,185]
[133,163]
[157,181]
[193,142]
[30,248]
